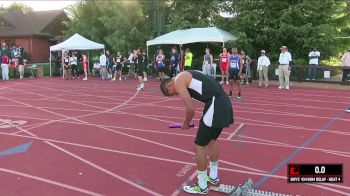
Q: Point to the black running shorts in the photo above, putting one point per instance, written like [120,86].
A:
[205,134]
[233,74]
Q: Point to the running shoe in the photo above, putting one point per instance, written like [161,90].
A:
[239,96]
[195,189]
[213,181]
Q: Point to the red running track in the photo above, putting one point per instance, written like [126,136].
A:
[102,138]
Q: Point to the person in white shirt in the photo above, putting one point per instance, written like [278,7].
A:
[263,67]
[132,70]
[74,64]
[346,63]
[103,64]
[284,68]
[314,56]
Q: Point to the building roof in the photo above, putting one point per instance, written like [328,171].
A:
[18,23]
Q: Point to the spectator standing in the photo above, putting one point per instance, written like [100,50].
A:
[208,62]
[5,61]
[119,61]
[284,68]
[263,68]
[103,64]
[314,57]
[160,64]
[224,58]
[174,62]
[132,63]
[145,66]
[66,66]
[109,64]
[20,65]
[188,59]
[346,63]
[235,72]
[74,64]
[85,66]
[245,59]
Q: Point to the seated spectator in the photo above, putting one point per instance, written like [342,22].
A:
[96,69]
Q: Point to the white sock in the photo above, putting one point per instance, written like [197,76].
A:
[213,170]
[202,179]
[142,85]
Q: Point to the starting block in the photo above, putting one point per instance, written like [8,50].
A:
[245,189]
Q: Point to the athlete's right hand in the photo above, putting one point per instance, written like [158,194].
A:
[185,126]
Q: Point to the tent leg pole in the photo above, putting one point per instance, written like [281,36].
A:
[62,64]
[50,64]
[182,60]
[147,54]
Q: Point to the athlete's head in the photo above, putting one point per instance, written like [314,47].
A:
[243,53]
[234,50]
[160,51]
[224,50]
[167,87]
[173,50]
[207,50]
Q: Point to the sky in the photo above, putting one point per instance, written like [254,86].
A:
[39,5]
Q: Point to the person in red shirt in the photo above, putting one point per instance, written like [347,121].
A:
[5,61]
[224,59]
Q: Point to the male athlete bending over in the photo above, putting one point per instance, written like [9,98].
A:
[217,114]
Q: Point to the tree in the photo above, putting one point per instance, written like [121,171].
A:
[190,14]
[342,18]
[268,24]
[121,25]
[17,6]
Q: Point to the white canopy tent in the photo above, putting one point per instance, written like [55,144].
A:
[76,42]
[180,37]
